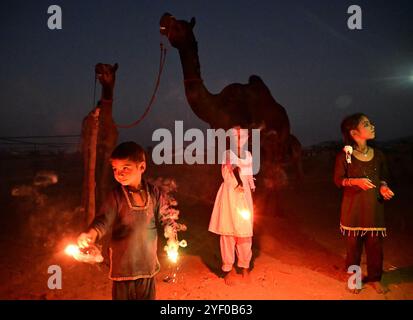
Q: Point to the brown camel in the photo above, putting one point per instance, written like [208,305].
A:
[107,135]
[248,105]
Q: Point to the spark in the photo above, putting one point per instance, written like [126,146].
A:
[90,254]
[72,250]
[172,249]
[245,214]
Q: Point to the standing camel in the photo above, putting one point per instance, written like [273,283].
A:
[99,121]
[247,105]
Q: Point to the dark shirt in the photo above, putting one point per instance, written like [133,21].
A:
[361,210]
[133,245]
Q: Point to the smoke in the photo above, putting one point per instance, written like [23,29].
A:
[45,210]
[47,225]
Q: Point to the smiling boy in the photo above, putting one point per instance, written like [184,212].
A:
[130,215]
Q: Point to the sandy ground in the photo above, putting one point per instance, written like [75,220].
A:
[298,249]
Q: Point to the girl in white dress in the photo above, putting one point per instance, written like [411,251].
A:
[232,216]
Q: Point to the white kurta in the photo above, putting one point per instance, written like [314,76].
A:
[227,218]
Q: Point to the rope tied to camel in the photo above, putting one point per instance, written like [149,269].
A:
[162,60]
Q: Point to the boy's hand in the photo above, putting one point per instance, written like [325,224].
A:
[386,192]
[363,183]
[88,238]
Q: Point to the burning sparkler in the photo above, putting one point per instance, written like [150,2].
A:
[169,216]
[72,250]
[91,254]
[171,248]
[244,212]
[173,244]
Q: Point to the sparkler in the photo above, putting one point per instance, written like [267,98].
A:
[244,212]
[91,254]
[171,248]
[173,244]
[72,250]
[169,216]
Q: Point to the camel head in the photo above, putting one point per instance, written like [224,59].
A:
[106,74]
[178,32]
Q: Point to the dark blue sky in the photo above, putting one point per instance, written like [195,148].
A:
[316,67]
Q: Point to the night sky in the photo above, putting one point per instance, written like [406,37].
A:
[315,67]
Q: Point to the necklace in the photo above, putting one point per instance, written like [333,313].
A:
[140,189]
[364,153]
[138,195]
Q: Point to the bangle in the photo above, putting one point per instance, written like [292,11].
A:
[347,182]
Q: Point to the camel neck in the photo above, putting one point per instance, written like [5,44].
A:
[106,107]
[107,93]
[202,102]
[190,62]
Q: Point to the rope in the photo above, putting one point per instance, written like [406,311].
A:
[161,66]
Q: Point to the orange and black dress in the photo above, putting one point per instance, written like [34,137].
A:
[362,210]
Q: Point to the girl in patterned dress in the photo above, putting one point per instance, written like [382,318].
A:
[361,172]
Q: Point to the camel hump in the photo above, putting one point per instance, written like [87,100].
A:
[255,80]
[256,83]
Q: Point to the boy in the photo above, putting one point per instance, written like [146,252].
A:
[132,211]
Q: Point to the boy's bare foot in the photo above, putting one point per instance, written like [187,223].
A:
[380,289]
[246,275]
[353,291]
[230,278]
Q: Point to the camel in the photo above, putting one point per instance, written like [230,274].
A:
[107,136]
[248,105]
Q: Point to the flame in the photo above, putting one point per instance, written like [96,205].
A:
[245,214]
[72,250]
[172,249]
[172,254]
[92,255]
